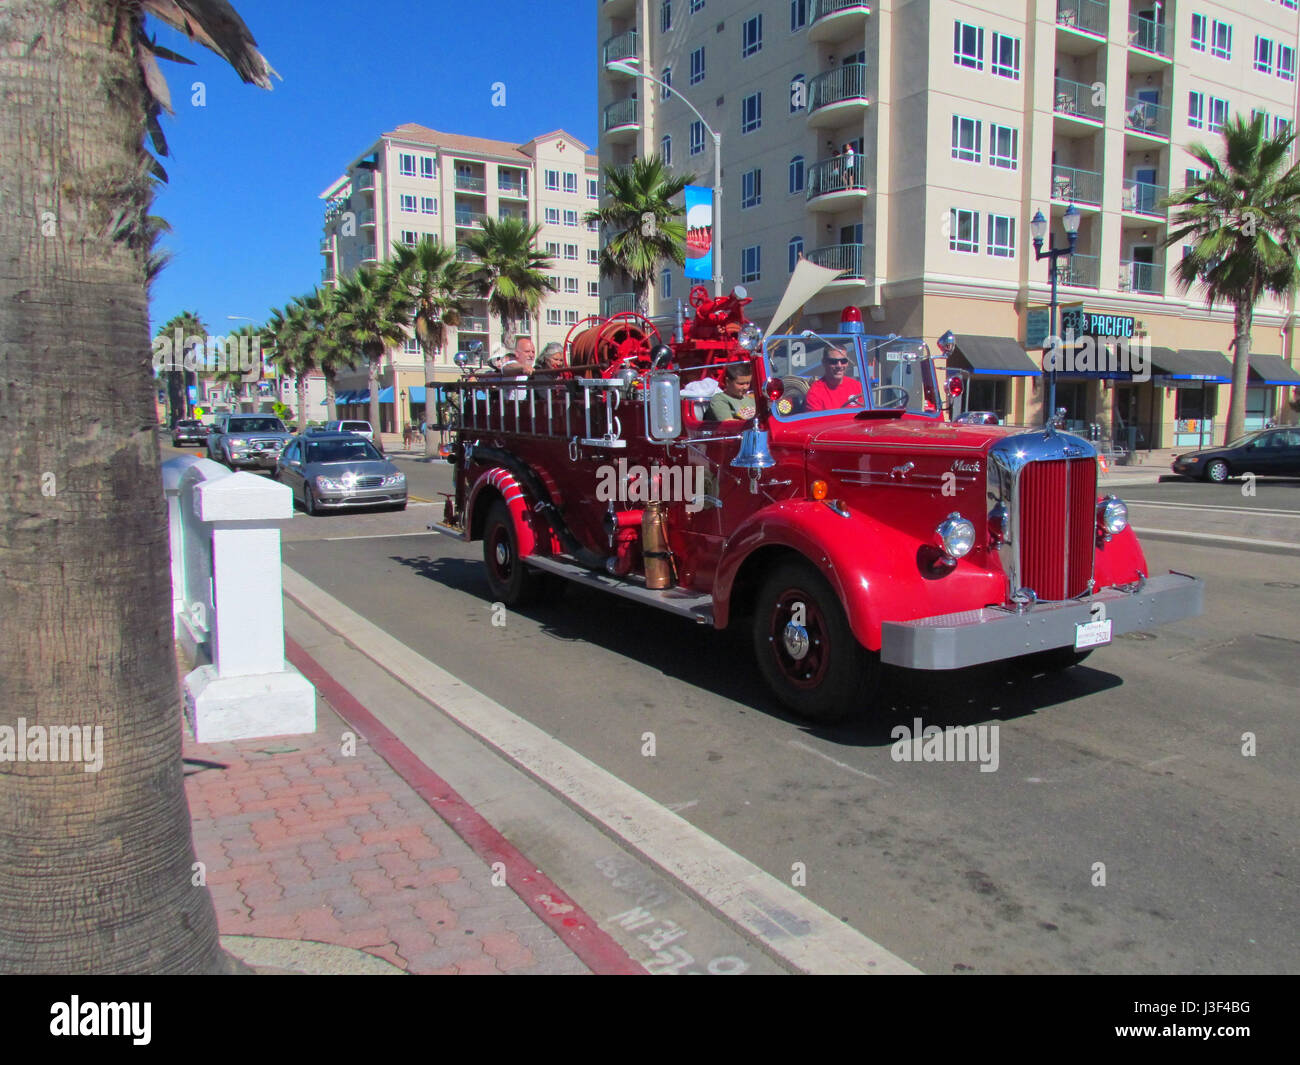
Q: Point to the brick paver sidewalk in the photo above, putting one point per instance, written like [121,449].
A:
[303,842]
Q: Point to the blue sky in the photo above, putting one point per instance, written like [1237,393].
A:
[246,169]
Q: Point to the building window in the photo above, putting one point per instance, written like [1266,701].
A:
[571,251]
[1255,113]
[571,285]
[428,204]
[665,90]
[1190,177]
[697,5]
[570,218]
[593,226]
[751,36]
[966,138]
[796,174]
[1200,33]
[697,65]
[1221,40]
[593,289]
[406,164]
[553,316]
[796,249]
[554,281]
[552,216]
[1281,126]
[427,168]
[751,112]
[1004,146]
[798,93]
[410,236]
[1218,114]
[798,15]
[665,284]
[408,204]
[553,180]
[697,137]
[665,16]
[593,256]
[968,45]
[593,189]
[751,188]
[964,234]
[666,149]
[1196,110]
[553,249]
[1285,63]
[570,317]
[1005,58]
[410,346]
[1002,236]
[750,264]
[1263,55]
[570,182]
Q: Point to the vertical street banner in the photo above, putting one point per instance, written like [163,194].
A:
[699,231]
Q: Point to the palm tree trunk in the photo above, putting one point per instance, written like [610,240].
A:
[430,404]
[302,402]
[331,394]
[96,874]
[374,399]
[1243,320]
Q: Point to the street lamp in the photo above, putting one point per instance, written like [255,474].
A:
[1038,228]
[625,66]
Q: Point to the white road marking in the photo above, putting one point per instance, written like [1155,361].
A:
[678,807]
[765,909]
[1261,511]
[1163,761]
[376,536]
[834,761]
[1217,538]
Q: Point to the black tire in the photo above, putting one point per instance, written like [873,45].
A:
[511,582]
[399,506]
[819,670]
[1216,471]
[1057,660]
[309,501]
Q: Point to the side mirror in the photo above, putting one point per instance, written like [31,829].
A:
[663,406]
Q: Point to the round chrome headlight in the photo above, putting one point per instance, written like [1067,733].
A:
[956,535]
[750,336]
[1112,515]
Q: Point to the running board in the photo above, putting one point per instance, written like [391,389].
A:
[454,531]
[693,605]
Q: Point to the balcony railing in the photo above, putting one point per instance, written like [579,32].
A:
[363,181]
[1147,278]
[618,304]
[470,183]
[836,175]
[327,275]
[621,47]
[846,257]
[848,82]
[1070,185]
[467,256]
[623,113]
[366,217]
[820,9]
[1143,197]
[1081,271]
[470,219]
[1144,116]
[327,246]
[1147,34]
[1090,15]
[512,188]
[1075,98]
[521,216]
[470,324]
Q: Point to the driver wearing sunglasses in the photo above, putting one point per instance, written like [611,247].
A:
[835,388]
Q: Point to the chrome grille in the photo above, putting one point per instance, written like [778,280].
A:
[1057,500]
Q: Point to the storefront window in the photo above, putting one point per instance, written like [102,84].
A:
[1260,407]
[988,394]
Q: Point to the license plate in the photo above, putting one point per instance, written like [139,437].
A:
[1091,634]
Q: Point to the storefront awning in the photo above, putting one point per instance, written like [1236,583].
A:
[994,356]
[1271,370]
[359,397]
[417,393]
[1190,364]
[386,394]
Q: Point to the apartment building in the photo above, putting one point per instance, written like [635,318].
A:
[416,182]
[910,143]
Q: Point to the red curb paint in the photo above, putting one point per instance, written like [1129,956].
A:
[599,951]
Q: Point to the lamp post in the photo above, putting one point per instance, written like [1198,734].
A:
[625,66]
[1038,228]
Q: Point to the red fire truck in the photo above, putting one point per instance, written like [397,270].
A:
[845,518]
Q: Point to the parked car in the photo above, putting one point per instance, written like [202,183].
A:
[978,417]
[247,440]
[189,431]
[358,427]
[1268,451]
[329,471]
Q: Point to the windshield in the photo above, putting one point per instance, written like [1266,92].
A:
[825,374]
[343,451]
[255,425]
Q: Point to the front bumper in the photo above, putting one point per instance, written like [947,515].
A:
[263,460]
[952,641]
[366,497]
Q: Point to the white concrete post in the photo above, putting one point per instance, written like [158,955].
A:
[172,472]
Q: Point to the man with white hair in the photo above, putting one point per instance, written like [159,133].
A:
[525,358]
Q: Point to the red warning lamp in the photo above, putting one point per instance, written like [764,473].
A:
[851,321]
[774,388]
[955,387]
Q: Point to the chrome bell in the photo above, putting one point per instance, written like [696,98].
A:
[754,453]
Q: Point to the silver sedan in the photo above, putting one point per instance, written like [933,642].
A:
[330,471]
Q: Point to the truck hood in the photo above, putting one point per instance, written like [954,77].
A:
[905,434]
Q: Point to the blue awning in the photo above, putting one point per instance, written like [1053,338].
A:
[386,394]
[417,393]
[1271,370]
[359,397]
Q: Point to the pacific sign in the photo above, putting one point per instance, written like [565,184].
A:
[1085,324]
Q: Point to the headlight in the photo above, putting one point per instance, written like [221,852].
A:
[750,336]
[328,484]
[394,479]
[956,535]
[1112,515]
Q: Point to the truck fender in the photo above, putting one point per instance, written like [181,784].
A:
[1119,560]
[503,483]
[877,572]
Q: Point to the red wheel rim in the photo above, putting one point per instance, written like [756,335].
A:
[801,652]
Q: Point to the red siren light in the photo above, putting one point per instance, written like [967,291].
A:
[851,321]
[955,387]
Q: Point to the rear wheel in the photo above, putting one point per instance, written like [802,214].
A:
[805,648]
[511,582]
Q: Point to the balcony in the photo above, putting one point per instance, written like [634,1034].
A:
[835,182]
[838,95]
[519,216]
[366,217]
[363,181]
[327,275]
[618,7]
[1079,271]
[621,119]
[844,257]
[470,324]
[467,256]
[470,183]
[835,20]
[1145,278]
[470,219]
[1148,118]
[1083,16]
[1070,185]
[369,258]
[515,189]
[1142,197]
[327,246]
[624,46]
[1147,35]
[1076,102]
[620,303]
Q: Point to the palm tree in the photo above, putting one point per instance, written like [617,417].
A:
[372,316]
[97,872]
[295,349]
[189,326]
[232,376]
[643,228]
[333,354]
[510,272]
[1243,222]
[440,289]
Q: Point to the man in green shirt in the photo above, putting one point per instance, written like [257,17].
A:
[734,401]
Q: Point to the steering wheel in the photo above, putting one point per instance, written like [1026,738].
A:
[855,400]
[890,397]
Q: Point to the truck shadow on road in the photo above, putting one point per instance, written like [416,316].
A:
[722,663]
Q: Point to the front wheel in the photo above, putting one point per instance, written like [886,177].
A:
[309,501]
[510,581]
[1217,471]
[805,648]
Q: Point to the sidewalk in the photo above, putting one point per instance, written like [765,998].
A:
[336,865]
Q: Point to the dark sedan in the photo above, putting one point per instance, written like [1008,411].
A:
[329,471]
[1274,452]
